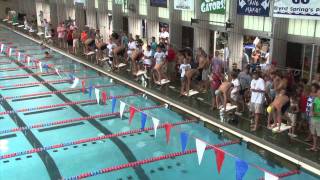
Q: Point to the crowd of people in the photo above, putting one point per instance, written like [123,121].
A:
[267,92]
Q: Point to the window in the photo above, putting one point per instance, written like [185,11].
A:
[257,23]
[220,17]
[163,13]
[187,15]
[143,7]
[96,4]
[125,6]
[110,5]
[80,1]
[318,30]
[302,27]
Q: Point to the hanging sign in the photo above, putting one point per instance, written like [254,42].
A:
[299,9]
[253,7]
[186,5]
[158,3]
[213,6]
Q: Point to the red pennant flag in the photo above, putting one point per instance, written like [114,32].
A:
[132,111]
[168,127]
[219,158]
[83,86]
[104,97]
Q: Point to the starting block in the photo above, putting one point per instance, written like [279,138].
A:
[15,24]
[4,20]
[139,73]
[163,81]
[47,37]
[229,108]
[31,31]
[91,53]
[9,22]
[20,26]
[120,65]
[40,33]
[283,127]
[191,93]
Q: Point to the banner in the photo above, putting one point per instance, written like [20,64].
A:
[213,6]
[301,9]
[158,3]
[155,125]
[253,7]
[186,5]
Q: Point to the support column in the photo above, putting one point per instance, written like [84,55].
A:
[103,19]
[91,14]
[61,10]
[235,39]
[278,47]
[70,9]
[152,22]
[117,17]
[201,30]
[133,18]
[79,15]
[175,27]
[53,13]
[39,8]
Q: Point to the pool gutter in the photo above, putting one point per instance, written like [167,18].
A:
[294,158]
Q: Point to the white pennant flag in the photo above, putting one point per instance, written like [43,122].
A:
[97,91]
[10,52]
[2,47]
[75,82]
[201,146]
[122,106]
[28,60]
[19,56]
[57,71]
[268,176]
[155,125]
[40,66]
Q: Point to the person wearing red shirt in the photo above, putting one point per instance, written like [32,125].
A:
[171,59]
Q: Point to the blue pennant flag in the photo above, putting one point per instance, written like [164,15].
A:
[143,120]
[71,76]
[46,67]
[241,169]
[184,139]
[114,101]
[90,90]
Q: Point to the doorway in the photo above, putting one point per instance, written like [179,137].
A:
[187,37]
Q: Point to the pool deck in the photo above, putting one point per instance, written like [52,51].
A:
[292,150]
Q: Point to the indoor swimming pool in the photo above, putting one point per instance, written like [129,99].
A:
[53,126]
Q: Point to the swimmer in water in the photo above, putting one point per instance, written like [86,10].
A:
[47,55]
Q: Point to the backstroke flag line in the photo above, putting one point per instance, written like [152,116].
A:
[201,147]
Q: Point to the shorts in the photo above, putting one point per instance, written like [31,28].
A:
[147,62]
[171,67]
[256,108]
[70,42]
[235,96]
[285,107]
[205,74]
[293,119]
[315,127]
[75,43]
[103,47]
[199,77]
[213,91]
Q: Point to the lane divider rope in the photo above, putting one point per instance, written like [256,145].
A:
[146,161]
[53,92]
[81,141]
[45,82]
[49,124]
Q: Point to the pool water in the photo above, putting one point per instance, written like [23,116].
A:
[86,157]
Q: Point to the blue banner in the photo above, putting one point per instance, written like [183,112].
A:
[253,7]
[114,101]
[158,3]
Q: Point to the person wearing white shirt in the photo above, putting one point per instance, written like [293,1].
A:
[111,46]
[147,55]
[132,45]
[183,68]
[235,91]
[159,57]
[257,88]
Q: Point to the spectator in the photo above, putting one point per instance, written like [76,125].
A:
[171,59]
[257,88]
[315,121]
[61,34]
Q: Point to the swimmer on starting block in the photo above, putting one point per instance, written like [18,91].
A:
[224,91]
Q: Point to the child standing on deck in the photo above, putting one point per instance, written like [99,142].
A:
[315,122]
[292,114]
[185,66]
